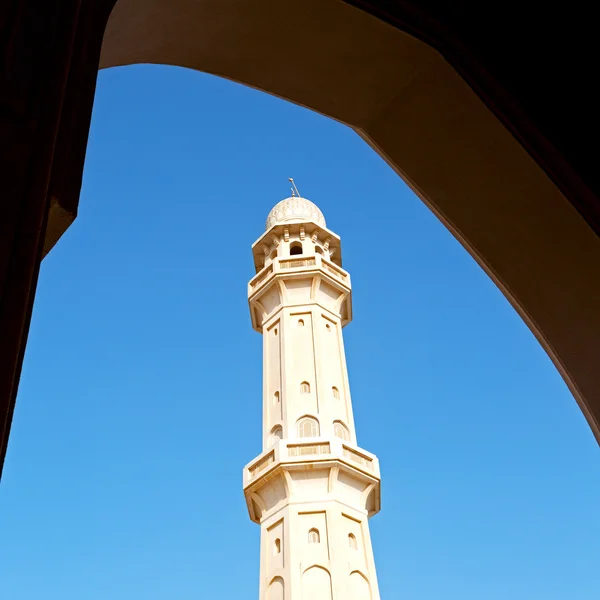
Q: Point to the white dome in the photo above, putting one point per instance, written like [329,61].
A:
[295,210]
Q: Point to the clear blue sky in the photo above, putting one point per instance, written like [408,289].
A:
[140,399]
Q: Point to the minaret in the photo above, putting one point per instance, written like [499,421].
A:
[312,489]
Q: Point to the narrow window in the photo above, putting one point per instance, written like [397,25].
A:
[308,427]
[276,435]
[277,546]
[275,331]
[341,431]
[314,537]
[276,398]
[305,387]
[295,249]
[300,322]
[328,327]
[352,541]
[335,393]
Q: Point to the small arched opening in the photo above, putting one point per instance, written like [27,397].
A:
[276,435]
[341,431]
[295,248]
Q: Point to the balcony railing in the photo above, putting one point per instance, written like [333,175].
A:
[262,464]
[334,270]
[357,457]
[322,450]
[308,449]
[261,277]
[294,263]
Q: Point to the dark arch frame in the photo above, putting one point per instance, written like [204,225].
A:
[52,51]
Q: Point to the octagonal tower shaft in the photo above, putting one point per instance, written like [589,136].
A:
[312,489]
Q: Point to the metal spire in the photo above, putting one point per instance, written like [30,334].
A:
[294,188]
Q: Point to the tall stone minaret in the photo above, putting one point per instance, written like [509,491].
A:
[312,489]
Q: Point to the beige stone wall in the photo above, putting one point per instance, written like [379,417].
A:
[305,373]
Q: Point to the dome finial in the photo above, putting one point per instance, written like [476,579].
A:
[294,188]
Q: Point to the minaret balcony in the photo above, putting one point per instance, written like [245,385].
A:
[340,471]
[314,451]
[297,264]
[278,284]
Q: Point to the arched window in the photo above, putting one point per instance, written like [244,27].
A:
[277,546]
[341,431]
[352,541]
[308,427]
[335,393]
[300,322]
[305,387]
[276,435]
[276,398]
[295,248]
[314,536]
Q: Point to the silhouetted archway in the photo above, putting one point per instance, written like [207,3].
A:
[523,211]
